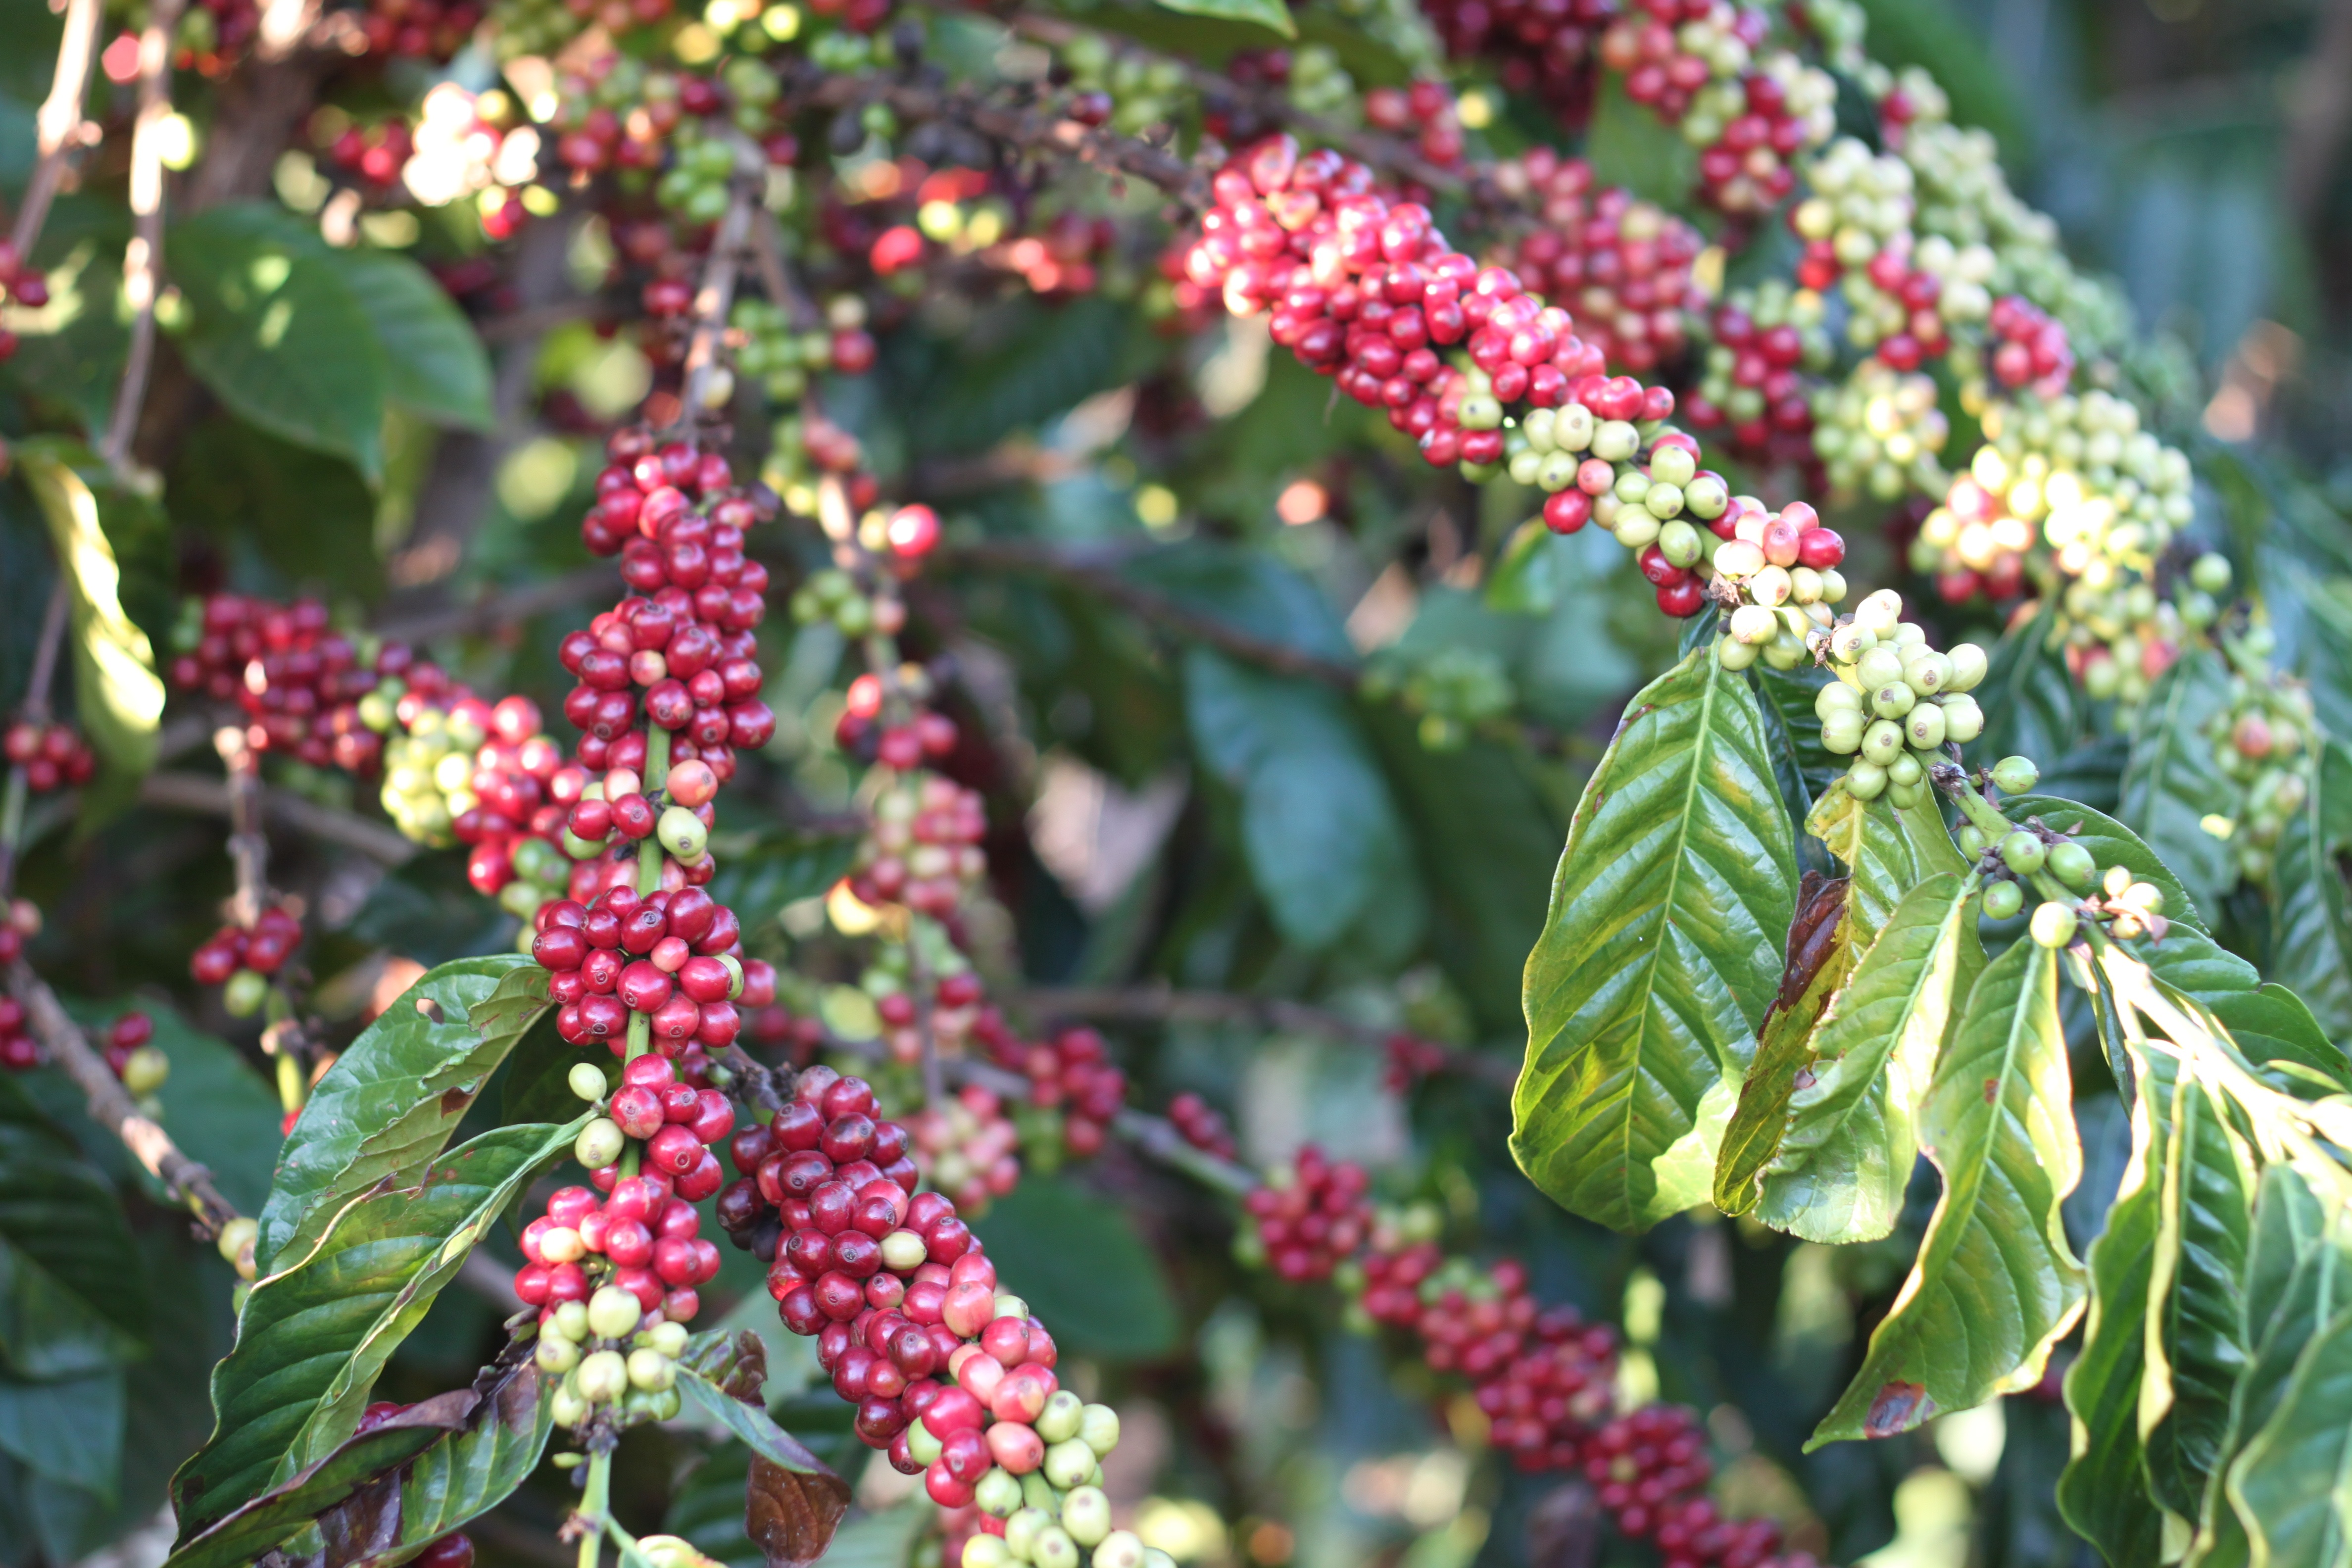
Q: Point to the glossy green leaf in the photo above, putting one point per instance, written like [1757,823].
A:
[2195,1339]
[1852,1138]
[117,696]
[1887,851]
[68,1432]
[2292,1488]
[1320,830]
[2103,1492]
[276,1515]
[2312,927]
[313,1336]
[2298,1278]
[1272,14]
[1530,572]
[1078,1260]
[2174,782]
[391,1101]
[1995,1284]
[464,1475]
[276,334]
[1787,700]
[1784,1052]
[751,1422]
[1659,956]
[73,1297]
[435,364]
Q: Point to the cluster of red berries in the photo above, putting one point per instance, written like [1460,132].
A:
[377,154]
[923,736]
[1669,51]
[298,680]
[603,124]
[1202,1125]
[53,755]
[2029,347]
[124,1036]
[1307,1223]
[684,640]
[1073,1073]
[923,849]
[1621,265]
[968,1148]
[1365,289]
[520,783]
[18,1051]
[1423,110]
[643,1238]
[1766,361]
[420,29]
[1916,290]
[674,955]
[896,1291]
[19,285]
[1541,47]
[261,949]
[1410,1058]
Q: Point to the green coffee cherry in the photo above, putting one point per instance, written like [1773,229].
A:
[587,1080]
[144,1071]
[2002,900]
[921,1443]
[2015,775]
[1881,666]
[1053,1548]
[566,1406]
[1841,732]
[245,992]
[556,1355]
[682,834]
[1672,466]
[2023,853]
[1963,720]
[998,1494]
[571,1321]
[1881,743]
[1968,661]
[599,1143]
[613,1313]
[2211,573]
[1086,1514]
[1924,727]
[1865,780]
[1972,840]
[1835,698]
[1099,1430]
[1850,642]
[1063,1415]
[1022,1528]
[2053,924]
[1120,1549]
[1893,701]
[651,1371]
[986,1552]
[603,1377]
[1732,653]
[2072,864]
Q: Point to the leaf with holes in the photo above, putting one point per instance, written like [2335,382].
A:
[1995,1285]
[1851,1136]
[276,1515]
[464,1475]
[2173,782]
[1659,954]
[389,1102]
[313,1336]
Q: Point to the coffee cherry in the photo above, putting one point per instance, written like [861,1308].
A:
[2024,852]
[2053,924]
[2002,900]
[2015,775]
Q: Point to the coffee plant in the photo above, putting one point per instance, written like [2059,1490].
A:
[785,781]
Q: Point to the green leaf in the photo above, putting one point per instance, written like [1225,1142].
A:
[2196,1348]
[1886,851]
[2312,939]
[464,1475]
[1788,699]
[309,515]
[1629,145]
[68,1432]
[1819,963]
[1995,1285]
[2174,782]
[2298,1278]
[751,1422]
[389,1102]
[75,1301]
[118,696]
[2111,844]
[1659,956]
[1530,572]
[277,334]
[1272,14]
[221,1112]
[1079,1261]
[434,362]
[313,1336]
[274,1515]
[1851,1136]
[2103,1492]
[2292,1488]
[1320,830]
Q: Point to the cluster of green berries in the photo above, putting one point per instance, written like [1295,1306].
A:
[603,1358]
[2107,495]
[1897,701]
[1881,432]
[1057,1516]
[834,595]
[1143,90]
[2265,740]
[2017,858]
[1453,689]
[769,349]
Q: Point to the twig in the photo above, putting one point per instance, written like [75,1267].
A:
[1105,581]
[760,1083]
[60,123]
[111,1104]
[198,793]
[520,326]
[249,846]
[712,301]
[36,710]
[1159,1005]
[495,611]
[142,259]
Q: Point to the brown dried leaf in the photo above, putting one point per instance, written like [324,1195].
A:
[791,1517]
[736,1362]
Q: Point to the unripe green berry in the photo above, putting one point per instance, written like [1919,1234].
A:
[2023,853]
[1613,442]
[1865,780]
[1972,840]
[1063,1415]
[1906,772]
[1968,665]
[682,834]
[998,1494]
[987,1552]
[603,1377]
[587,1080]
[1850,642]
[1678,543]
[1903,795]
[2002,900]
[1555,471]
[1086,1514]
[2053,924]
[903,1251]
[1963,720]
[651,1371]
[2211,573]
[2015,775]
[1053,1548]
[1754,624]
[1738,558]
[599,1143]
[921,1443]
[670,1339]
[1663,501]
[1893,701]
[1068,1465]
[1924,727]
[613,1313]
[1835,698]
[566,1406]
[1878,667]
[1672,466]
[571,1321]
[1927,673]
[1771,586]
[1099,1430]
[556,1355]
[1732,653]
[144,1071]
[2072,864]
[1023,1527]
[1881,743]
[1706,496]
[245,993]
[1120,1549]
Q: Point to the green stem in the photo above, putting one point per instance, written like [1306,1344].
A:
[595,1501]
[1981,812]
[649,864]
[292,1091]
